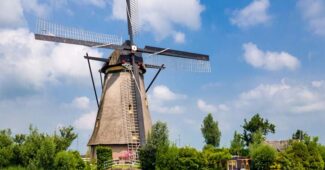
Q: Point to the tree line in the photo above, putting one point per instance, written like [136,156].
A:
[39,150]
[301,152]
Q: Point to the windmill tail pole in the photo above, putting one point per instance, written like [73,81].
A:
[161,67]
[92,79]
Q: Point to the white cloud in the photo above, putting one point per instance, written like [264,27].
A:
[163,93]
[269,60]
[97,3]
[86,121]
[163,100]
[31,63]
[11,13]
[282,98]
[33,6]
[313,11]
[209,108]
[253,14]
[318,83]
[81,102]
[179,37]
[162,16]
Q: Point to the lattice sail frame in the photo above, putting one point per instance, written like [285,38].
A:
[134,16]
[44,27]
[179,64]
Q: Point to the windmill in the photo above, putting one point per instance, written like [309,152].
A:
[123,120]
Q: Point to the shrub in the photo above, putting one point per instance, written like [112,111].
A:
[263,156]
[65,160]
[104,157]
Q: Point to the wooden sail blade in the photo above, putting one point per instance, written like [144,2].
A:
[57,33]
[132,18]
[174,53]
[178,63]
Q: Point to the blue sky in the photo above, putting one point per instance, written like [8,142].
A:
[266,56]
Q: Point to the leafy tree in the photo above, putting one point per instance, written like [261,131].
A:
[80,164]
[65,160]
[31,146]
[237,144]
[301,155]
[254,125]
[104,157]
[46,153]
[189,159]
[210,131]
[214,158]
[159,134]
[263,156]
[6,145]
[168,160]
[157,143]
[148,155]
[300,135]
[65,138]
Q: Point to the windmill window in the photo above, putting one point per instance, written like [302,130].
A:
[130,108]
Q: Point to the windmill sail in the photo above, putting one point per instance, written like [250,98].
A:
[177,60]
[58,33]
[132,18]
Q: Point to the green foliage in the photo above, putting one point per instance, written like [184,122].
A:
[148,156]
[300,135]
[189,158]
[159,134]
[6,145]
[237,145]
[214,158]
[157,143]
[35,150]
[210,131]
[263,156]
[80,164]
[167,160]
[65,160]
[104,157]
[254,125]
[305,154]
[65,138]
[46,153]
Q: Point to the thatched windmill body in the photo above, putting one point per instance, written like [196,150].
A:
[123,120]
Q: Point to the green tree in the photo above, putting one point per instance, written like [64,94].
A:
[104,157]
[65,138]
[210,131]
[157,143]
[65,160]
[237,144]
[46,153]
[215,158]
[189,159]
[263,156]
[6,148]
[300,135]
[159,134]
[31,146]
[254,125]
[168,160]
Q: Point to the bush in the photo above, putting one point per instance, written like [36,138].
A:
[65,160]
[147,155]
[263,156]
[6,145]
[167,159]
[104,157]
[189,158]
[215,158]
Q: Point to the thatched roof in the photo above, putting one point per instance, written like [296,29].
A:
[278,145]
